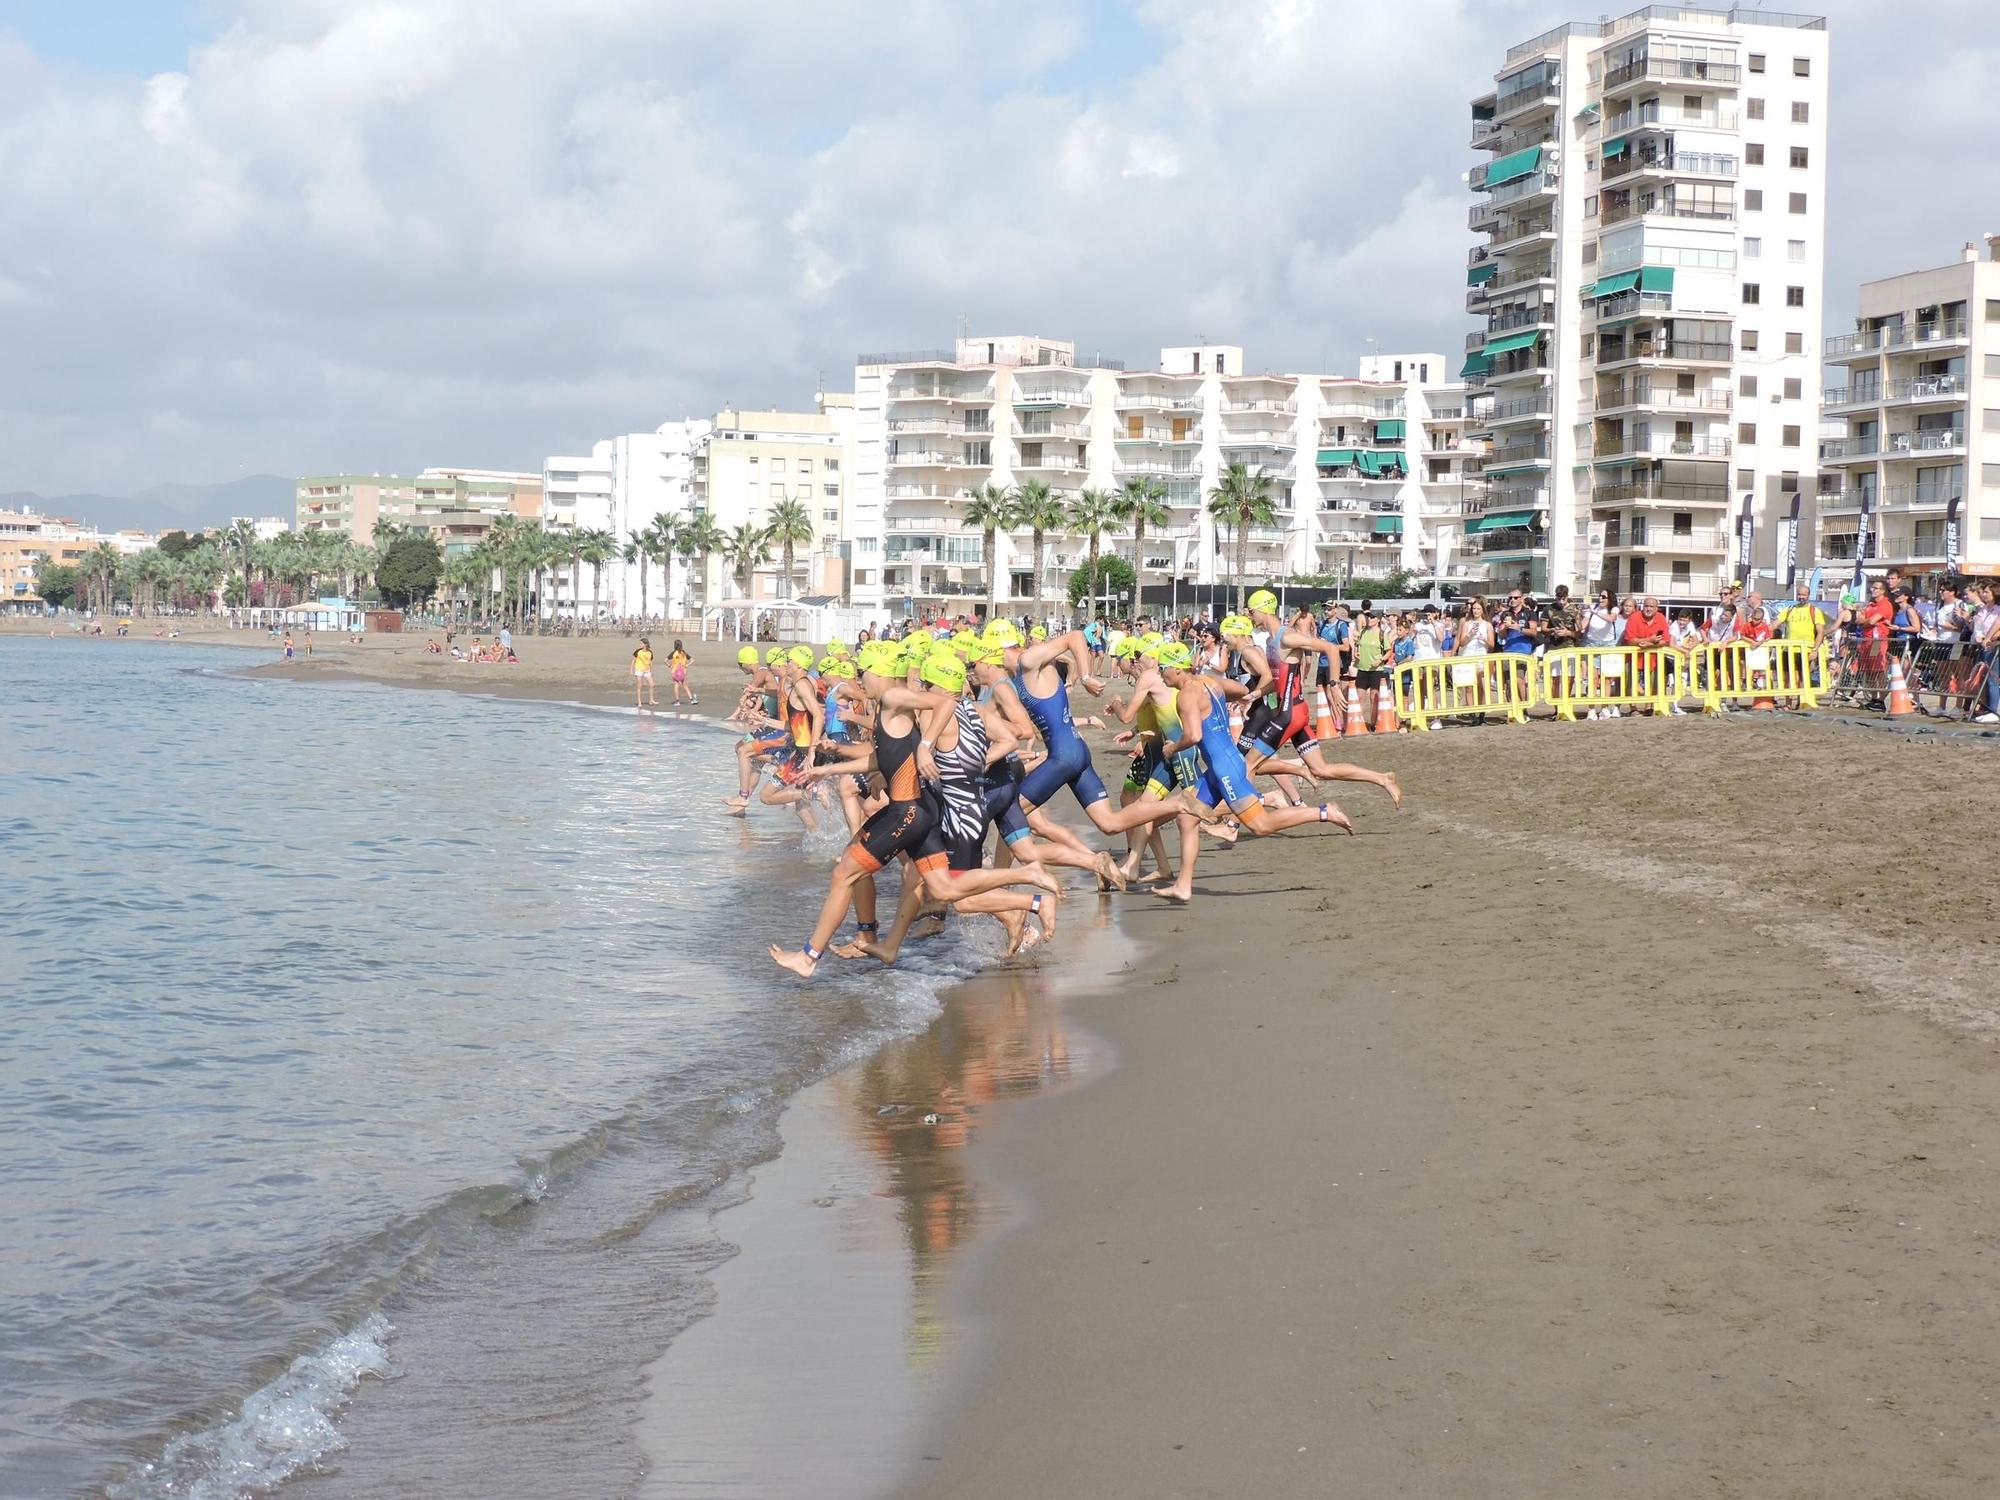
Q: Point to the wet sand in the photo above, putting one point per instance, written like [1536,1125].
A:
[1617,1120]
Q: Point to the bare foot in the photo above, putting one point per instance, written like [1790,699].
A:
[1394,788]
[1110,873]
[1017,930]
[1043,879]
[1222,832]
[1046,915]
[797,962]
[731,810]
[741,799]
[865,948]
[1151,877]
[1179,893]
[926,928]
[1337,818]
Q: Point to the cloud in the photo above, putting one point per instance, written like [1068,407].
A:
[379,233]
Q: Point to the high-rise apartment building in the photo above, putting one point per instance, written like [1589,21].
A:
[1366,474]
[619,487]
[458,505]
[1651,282]
[754,461]
[1922,409]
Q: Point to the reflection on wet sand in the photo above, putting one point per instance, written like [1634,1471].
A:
[917,1104]
[819,1369]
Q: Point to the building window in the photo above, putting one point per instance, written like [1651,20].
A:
[833,466]
[1588,342]
[1797,203]
[1753,248]
[1989,476]
[1750,339]
[1753,293]
[1746,385]
[1795,296]
[832,513]
[1753,199]
[1795,251]
[1794,388]
[806,467]
[1791,437]
[1756,62]
[1801,112]
[1992,314]
[1795,343]
[1990,420]
[1590,206]
[1746,434]
[777,492]
[1753,109]
[1801,156]
[1802,67]
[1746,479]
[1753,155]
[1590,253]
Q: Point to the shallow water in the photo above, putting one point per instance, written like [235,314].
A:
[370,1063]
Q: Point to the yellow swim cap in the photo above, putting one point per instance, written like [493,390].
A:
[1174,654]
[827,664]
[918,644]
[1038,633]
[1003,633]
[942,669]
[776,656]
[1152,637]
[836,648]
[963,638]
[842,668]
[801,656]
[984,653]
[747,656]
[1237,625]
[1128,648]
[1263,602]
[884,659]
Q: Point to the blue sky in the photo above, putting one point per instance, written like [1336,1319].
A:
[139,37]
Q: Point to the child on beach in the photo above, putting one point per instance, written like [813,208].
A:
[642,676]
[677,666]
[288,645]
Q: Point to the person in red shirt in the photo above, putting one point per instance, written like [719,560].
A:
[1874,619]
[1647,626]
[1751,625]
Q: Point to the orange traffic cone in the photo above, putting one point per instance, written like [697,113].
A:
[1355,723]
[1324,727]
[1901,703]
[1386,721]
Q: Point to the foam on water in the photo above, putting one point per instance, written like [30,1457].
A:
[281,1429]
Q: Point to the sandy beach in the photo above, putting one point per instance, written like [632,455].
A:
[1615,1120]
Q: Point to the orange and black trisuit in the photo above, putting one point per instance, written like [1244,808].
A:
[902,824]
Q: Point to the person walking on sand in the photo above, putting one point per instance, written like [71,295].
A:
[642,677]
[678,661]
[288,645]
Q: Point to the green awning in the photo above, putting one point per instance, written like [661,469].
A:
[1381,465]
[1332,456]
[1656,279]
[1512,342]
[1389,427]
[1475,364]
[1481,274]
[1519,164]
[1503,521]
[1617,147]
[1611,286]
[1388,526]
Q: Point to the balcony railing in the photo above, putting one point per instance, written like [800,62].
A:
[1534,184]
[1665,539]
[939,424]
[1144,435]
[1892,497]
[1030,427]
[1660,446]
[1526,406]
[1612,351]
[1623,394]
[1519,453]
[1679,163]
[1528,318]
[1655,492]
[1136,400]
[1673,115]
[1837,449]
[1636,210]
[1056,463]
[1928,441]
[1896,336]
[1052,396]
[1265,404]
[908,491]
[933,459]
[1508,230]
[1686,70]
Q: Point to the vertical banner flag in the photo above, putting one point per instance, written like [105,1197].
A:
[1861,539]
[1951,535]
[1791,558]
[1746,533]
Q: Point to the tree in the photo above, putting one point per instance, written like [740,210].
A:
[702,538]
[569,544]
[790,527]
[176,543]
[746,547]
[1242,500]
[57,583]
[1041,512]
[100,566]
[991,509]
[243,537]
[1090,515]
[1108,575]
[409,570]
[597,547]
[1142,505]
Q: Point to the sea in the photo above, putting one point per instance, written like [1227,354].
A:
[372,1065]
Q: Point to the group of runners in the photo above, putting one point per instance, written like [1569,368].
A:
[931,742]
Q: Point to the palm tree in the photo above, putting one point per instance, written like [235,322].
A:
[747,547]
[386,531]
[1091,514]
[597,547]
[702,538]
[1041,512]
[101,568]
[991,509]
[569,549]
[1142,504]
[243,537]
[789,528]
[657,544]
[1242,500]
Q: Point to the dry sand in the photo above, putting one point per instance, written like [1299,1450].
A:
[1616,1121]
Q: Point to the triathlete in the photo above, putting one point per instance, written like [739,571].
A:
[1287,716]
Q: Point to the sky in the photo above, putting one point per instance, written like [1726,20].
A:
[301,236]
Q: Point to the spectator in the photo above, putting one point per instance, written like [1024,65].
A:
[1986,635]
[1371,656]
[1906,625]
[1602,628]
[1801,620]
[1647,627]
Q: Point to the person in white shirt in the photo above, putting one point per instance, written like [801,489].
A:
[1602,627]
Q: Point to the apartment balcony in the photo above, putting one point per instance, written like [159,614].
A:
[1521,102]
[1659,445]
[1041,427]
[1512,233]
[1660,116]
[1367,411]
[1512,368]
[1050,463]
[913,490]
[932,391]
[1688,74]
[935,459]
[1536,185]
[940,422]
[1910,335]
[1261,404]
[1533,408]
[1661,539]
[1144,435]
[1144,401]
[1642,396]
[1925,390]
[1655,352]
[1637,492]
[1272,437]
[1707,165]
[1849,450]
[1897,498]
[1937,442]
[1639,209]
[1051,397]
[1160,467]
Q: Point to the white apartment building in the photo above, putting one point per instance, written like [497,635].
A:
[266,527]
[1367,474]
[755,460]
[619,487]
[1651,281]
[1921,405]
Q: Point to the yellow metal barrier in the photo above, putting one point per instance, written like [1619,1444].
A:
[1766,669]
[1496,683]
[1590,677]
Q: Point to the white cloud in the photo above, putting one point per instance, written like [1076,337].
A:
[376,233]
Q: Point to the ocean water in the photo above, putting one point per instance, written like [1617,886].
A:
[371,1063]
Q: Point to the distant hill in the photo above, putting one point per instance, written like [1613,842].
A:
[165,507]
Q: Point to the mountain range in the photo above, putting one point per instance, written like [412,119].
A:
[167,507]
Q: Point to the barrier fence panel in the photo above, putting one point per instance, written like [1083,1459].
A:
[1590,677]
[1948,678]
[1496,683]
[1755,672]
